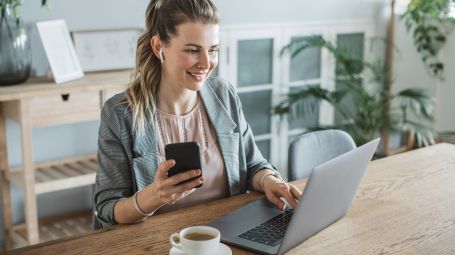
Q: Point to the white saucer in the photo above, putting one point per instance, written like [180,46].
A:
[222,250]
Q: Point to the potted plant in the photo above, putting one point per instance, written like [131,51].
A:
[15,49]
[430,23]
[359,100]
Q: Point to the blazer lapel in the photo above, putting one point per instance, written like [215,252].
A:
[145,161]
[218,114]
[227,139]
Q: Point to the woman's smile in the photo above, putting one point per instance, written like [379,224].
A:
[197,76]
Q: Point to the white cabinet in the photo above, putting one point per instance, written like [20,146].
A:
[250,58]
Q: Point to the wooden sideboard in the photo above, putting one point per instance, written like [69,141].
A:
[40,103]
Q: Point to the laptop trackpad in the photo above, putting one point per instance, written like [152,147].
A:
[245,218]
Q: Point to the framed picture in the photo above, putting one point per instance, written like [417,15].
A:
[101,50]
[59,50]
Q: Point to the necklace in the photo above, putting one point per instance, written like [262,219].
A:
[201,112]
[160,127]
[201,121]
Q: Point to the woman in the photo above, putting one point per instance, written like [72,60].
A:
[172,99]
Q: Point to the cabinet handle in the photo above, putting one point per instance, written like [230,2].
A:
[65,97]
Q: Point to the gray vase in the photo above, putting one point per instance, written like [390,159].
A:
[15,49]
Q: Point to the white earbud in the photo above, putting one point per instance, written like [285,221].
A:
[161,55]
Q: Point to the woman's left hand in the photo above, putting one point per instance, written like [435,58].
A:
[275,188]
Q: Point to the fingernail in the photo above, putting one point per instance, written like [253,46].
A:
[172,161]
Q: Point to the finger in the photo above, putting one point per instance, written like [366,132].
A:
[191,191]
[188,192]
[296,192]
[187,185]
[164,167]
[167,199]
[174,197]
[291,200]
[178,178]
[274,199]
[286,194]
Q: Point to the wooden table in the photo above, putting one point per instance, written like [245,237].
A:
[405,205]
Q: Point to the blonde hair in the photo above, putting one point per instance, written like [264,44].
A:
[162,18]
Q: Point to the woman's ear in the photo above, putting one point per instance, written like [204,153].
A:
[157,47]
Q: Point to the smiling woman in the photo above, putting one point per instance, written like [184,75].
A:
[189,58]
[173,99]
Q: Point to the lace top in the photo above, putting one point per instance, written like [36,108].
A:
[194,127]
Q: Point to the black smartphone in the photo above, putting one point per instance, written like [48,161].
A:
[186,156]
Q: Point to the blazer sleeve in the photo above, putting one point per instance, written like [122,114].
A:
[113,177]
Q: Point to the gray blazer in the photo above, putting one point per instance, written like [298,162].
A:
[127,160]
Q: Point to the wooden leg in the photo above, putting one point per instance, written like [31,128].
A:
[7,215]
[31,212]
[385,143]
[410,140]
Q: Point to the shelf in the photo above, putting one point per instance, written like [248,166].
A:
[61,227]
[38,103]
[60,175]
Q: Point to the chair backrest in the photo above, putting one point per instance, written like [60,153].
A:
[314,148]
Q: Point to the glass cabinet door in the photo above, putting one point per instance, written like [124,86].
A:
[306,65]
[304,70]
[256,107]
[254,62]
[254,57]
[353,43]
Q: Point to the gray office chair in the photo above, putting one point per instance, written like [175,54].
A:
[314,148]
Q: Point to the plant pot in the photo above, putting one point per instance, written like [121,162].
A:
[15,49]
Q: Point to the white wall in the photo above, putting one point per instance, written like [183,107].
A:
[445,91]
[260,11]
[410,72]
[103,14]
[77,139]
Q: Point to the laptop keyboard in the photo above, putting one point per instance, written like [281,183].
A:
[270,232]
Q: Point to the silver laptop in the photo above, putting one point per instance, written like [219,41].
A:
[261,227]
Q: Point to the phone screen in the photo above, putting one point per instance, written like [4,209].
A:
[186,156]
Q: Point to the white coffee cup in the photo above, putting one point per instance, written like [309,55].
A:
[204,240]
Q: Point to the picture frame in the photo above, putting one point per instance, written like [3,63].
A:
[102,50]
[60,52]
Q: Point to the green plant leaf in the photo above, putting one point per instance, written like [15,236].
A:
[440,38]
[416,100]
[305,100]
[426,21]
[359,101]
[424,134]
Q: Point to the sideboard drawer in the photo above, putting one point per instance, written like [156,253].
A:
[65,108]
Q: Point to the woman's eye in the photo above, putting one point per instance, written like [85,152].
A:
[214,52]
[192,51]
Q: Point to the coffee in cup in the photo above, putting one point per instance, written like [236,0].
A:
[197,240]
[196,236]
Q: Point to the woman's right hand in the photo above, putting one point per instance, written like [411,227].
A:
[164,189]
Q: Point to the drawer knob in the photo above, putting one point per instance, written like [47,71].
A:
[65,97]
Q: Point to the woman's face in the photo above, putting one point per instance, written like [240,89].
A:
[191,55]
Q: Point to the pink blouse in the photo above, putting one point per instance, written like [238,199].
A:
[194,126]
